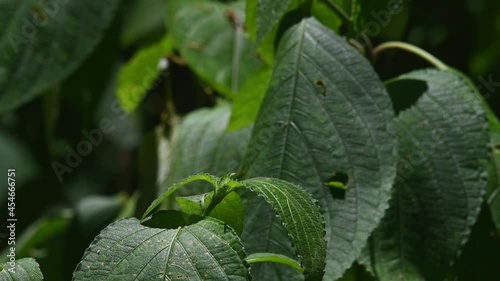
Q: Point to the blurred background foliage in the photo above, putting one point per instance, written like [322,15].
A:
[57,219]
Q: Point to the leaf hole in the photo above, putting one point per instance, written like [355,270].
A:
[337,184]
[321,86]
[413,89]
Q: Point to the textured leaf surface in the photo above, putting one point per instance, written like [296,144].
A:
[211,39]
[300,216]
[326,111]
[126,250]
[26,270]
[262,15]
[440,184]
[201,144]
[140,74]
[41,43]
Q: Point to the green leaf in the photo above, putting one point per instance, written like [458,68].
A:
[230,211]
[126,250]
[493,190]
[43,43]
[202,145]
[205,177]
[440,183]
[211,39]
[194,204]
[25,270]
[326,112]
[300,216]
[140,73]
[247,103]
[263,15]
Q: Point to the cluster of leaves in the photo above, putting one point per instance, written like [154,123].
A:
[344,169]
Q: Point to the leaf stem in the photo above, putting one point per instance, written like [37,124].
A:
[412,49]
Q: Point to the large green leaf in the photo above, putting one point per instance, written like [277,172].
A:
[300,217]
[326,114]
[25,270]
[440,184]
[41,43]
[211,39]
[127,250]
[262,15]
[201,144]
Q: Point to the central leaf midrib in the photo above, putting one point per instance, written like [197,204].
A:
[300,46]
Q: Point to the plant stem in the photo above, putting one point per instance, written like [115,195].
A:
[412,49]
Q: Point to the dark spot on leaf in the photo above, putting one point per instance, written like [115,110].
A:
[321,86]
[337,184]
